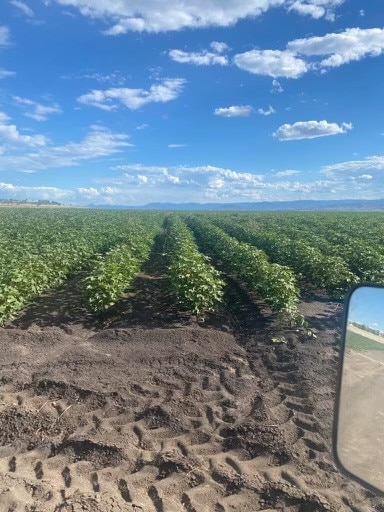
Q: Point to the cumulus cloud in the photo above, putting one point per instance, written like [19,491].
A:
[210,183]
[99,142]
[204,58]
[351,45]
[234,111]
[274,63]
[110,99]
[201,180]
[266,112]
[135,184]
[36,110]
[310,130]
[140,184]
[313,53]
[4,36]
[310,9]
[316,8]
[11,136]
[34,193]
[219,47]
[165,15]
[175,146]
[24,8]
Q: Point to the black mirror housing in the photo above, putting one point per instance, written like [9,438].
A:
[358,438]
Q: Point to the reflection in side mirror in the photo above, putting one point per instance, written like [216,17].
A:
[359,418]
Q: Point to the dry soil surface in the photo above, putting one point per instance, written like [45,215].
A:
[181,417]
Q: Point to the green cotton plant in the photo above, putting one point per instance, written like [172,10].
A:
[113,273]
[196,283]
[308,262]
[276,284]
[111,277]
[40,249]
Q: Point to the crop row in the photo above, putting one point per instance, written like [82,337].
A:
[196,283]
[329,272]
[113,273]
[358,239]
[272,282]
[42,252]
[268,253]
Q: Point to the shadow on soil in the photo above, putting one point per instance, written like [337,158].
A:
[151,303]
[321,312]
[60,307]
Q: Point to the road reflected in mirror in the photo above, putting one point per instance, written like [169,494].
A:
[360,435]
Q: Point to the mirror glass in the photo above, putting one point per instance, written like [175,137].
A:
[360,418]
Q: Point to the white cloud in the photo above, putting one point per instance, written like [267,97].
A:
[310,130]
[10,135]
[24,8]
[369,166]
[4,36]
[34,193]
[4,117]
[360,179]
[200,184]
[313,53]
[210,183]
[310,9]
[274,63]
[164,15]
[276,86]
[99,142]
[112,78]
[200,181]
[287,173]
[177,145]
[204,58]
[5,73]
[135,184]
[36,110]
[316,8]
[219,47]
[351,45]
[234,111]
[109,99]
[141,126]
[362,12]
[267,112]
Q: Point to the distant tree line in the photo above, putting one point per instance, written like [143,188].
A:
[40,202]
[367,328]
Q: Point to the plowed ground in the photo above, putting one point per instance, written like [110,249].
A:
[150,411]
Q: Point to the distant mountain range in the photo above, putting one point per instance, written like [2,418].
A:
[302,205]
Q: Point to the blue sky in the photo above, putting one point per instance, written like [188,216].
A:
[366,307]
[138,101]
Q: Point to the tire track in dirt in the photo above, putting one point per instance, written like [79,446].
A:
[177,419]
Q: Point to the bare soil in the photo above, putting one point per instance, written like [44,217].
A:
[148,410]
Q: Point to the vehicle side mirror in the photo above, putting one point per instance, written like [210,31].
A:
[359,412]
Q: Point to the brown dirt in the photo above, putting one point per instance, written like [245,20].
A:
[361,415]
[150,411]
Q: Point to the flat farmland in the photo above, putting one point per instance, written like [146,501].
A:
[162,361]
